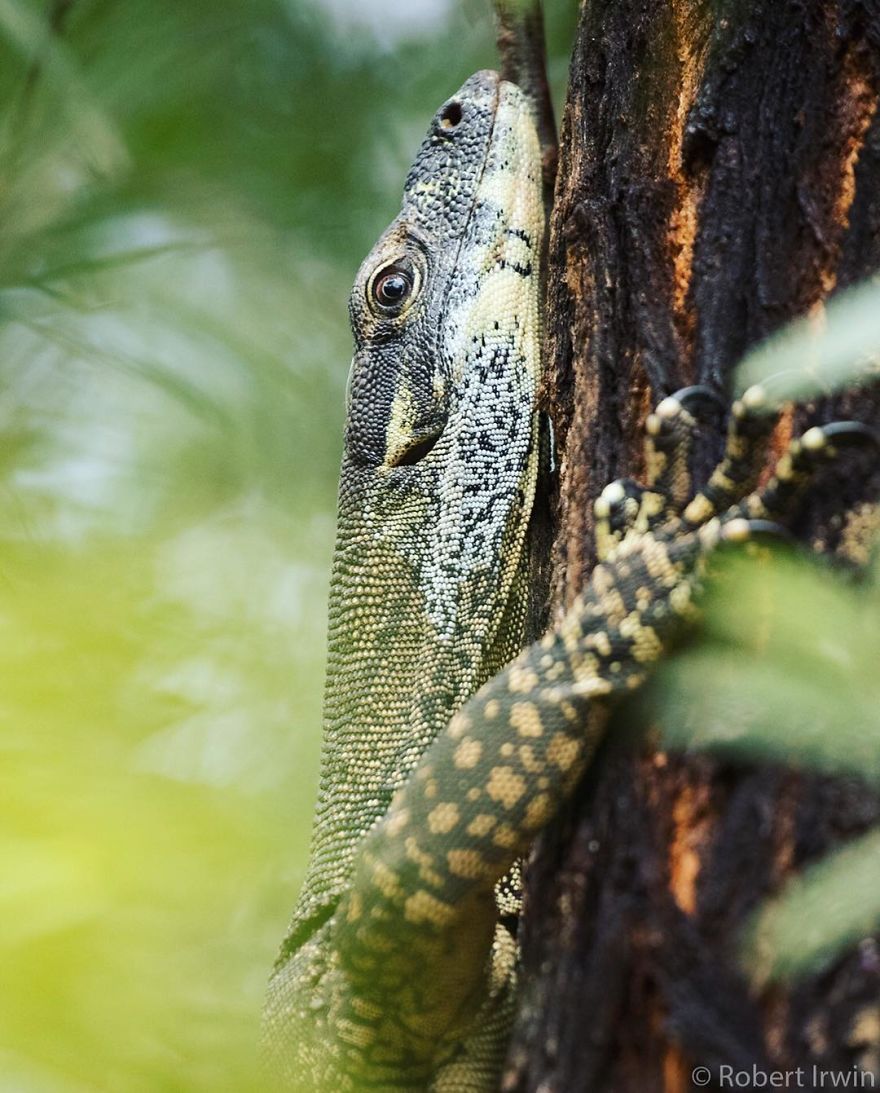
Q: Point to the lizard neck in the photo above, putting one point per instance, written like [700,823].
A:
[402,660]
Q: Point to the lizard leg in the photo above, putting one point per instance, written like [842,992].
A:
[748,434]
[669,432]
[615,511]
[476,1066]
[795,469]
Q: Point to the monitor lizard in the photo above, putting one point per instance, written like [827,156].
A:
[446,747]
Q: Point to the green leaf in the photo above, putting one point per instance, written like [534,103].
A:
[835,904]
[838,346]
[785,669]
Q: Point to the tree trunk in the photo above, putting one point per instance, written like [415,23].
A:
[719,175]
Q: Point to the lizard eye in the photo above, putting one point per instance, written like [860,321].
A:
[392,287]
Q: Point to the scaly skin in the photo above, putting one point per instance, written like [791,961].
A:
[398,972]
[428,596]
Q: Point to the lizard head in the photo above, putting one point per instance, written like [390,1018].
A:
[440,461]
[469,212]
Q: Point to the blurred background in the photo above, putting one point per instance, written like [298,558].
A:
[186,191]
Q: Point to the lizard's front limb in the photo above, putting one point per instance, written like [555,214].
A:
[669,432]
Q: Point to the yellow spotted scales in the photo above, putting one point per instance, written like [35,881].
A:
[399,970]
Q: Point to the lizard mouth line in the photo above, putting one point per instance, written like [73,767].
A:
[416,451]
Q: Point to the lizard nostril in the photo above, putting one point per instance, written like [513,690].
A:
[450,116]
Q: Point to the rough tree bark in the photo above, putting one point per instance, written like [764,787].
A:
[719,175]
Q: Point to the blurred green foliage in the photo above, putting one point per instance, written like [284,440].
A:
[186,191]
[822,352]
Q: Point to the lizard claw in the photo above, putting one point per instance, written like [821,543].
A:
[742,530]
[698,398]
[847,434]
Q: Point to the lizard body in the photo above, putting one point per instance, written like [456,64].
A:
[429,586]
[446,748]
